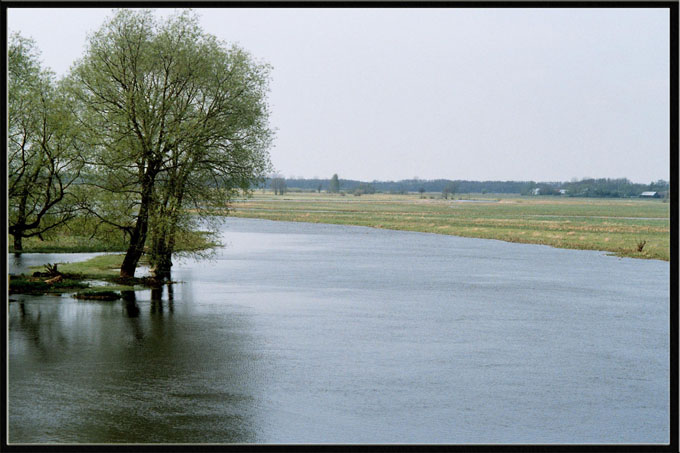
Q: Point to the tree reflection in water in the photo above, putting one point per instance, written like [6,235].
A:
[131,310]
[130,306]
[157,300]
[128,373]
[157,305]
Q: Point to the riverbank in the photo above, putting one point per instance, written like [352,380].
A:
[632,228]
[99,273]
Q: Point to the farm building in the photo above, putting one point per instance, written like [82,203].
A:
[650,195]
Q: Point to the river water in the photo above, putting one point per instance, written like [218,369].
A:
[308,333]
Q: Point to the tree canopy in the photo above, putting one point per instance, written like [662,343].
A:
[158,125]
[334,185]
[43,146]
[177,119]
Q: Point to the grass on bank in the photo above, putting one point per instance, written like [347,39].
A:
[75,276]
[613,225]
[69,242]
[32,285]
[625,227]
[102,268]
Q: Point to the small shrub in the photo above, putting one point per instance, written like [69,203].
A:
[640,245]
[23,285]
[52,270]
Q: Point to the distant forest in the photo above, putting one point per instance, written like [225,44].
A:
[603,187]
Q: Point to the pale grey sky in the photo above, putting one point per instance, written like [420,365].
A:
[472,93]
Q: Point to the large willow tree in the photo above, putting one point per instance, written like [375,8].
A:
[176,120]
[43,158]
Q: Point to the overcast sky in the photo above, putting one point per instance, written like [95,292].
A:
[479,94]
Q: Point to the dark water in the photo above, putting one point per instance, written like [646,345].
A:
[304,333]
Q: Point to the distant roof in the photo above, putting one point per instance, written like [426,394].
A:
[648,194]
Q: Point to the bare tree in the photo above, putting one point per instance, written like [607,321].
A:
[279,185]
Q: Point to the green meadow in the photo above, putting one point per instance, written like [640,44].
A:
[638,228]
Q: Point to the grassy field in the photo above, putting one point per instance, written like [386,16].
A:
[100,267]
[613,225]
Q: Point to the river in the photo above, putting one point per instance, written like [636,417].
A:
[310,333]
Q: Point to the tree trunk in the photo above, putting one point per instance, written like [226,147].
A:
[163,244]
[138,236]
[163,264]
[18,228]
[131,307]
[17,243]
[162,248]
[135,250]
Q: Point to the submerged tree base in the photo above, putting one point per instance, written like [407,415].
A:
[78,276]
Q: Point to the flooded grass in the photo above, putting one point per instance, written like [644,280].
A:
[612,225]
[99,267]
[98,274]
[102,270]
[36,285]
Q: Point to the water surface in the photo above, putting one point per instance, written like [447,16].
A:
[307,333]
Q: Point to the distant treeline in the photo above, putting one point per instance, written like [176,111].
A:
[602,187]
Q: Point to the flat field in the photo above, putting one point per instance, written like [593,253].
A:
[613,225]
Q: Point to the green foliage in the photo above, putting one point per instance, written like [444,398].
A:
[334,185]
[615,188]
[180,122]
[31,285]
[449,189]
[364,188]
[98,267]
[278,185]
[68,243]
[596,187]
[43,146]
